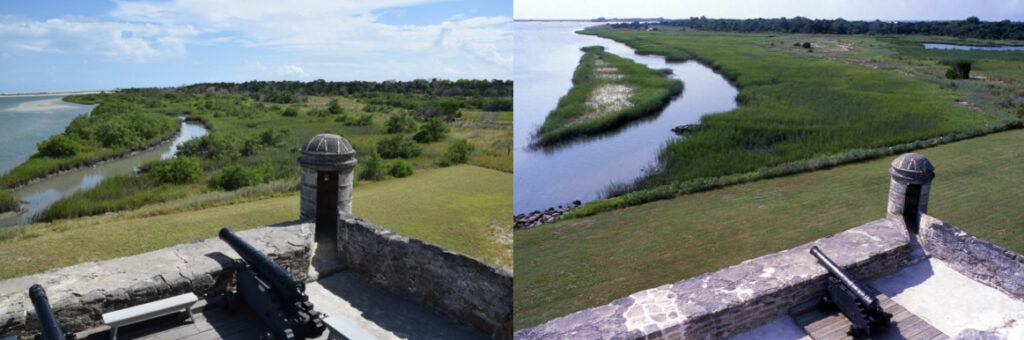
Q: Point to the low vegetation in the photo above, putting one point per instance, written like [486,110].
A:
[252,142]
[579,263]
[796,113]
[8,202]
[608,92]
[116,193]
[971,27]
[123,124]
[958,69]
[458,153]
[464,208]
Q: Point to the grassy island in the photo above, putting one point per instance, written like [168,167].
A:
[608,91]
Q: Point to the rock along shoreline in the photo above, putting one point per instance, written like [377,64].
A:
[537,217]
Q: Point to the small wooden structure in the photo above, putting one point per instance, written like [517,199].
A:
[822,324]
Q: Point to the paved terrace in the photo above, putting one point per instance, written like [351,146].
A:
[382,314]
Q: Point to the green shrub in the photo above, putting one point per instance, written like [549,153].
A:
[362,120]
[176,170]
[58,146]
[458,153]
[212,146]
[274,137]
[434,130]
[400,168]
[8,202]
[290,112]
[958,68]
[372,167]
[398,146]
[333,107]
[234,176]
[401,123]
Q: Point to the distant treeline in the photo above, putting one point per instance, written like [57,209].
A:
[288,89]
[968,28]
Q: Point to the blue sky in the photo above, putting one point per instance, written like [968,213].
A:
[82,45]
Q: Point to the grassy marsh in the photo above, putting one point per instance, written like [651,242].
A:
[794,107]
[608,91]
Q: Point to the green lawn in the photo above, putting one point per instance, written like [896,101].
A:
[795,107]
[585,262]
[581,111]
[465,208]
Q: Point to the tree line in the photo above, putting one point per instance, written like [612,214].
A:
[320,87]
[971,27]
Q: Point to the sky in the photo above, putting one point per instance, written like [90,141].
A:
[103,44]
[989,10]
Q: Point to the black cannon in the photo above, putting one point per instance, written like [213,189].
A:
[49,329]
[272,293]
[855,300]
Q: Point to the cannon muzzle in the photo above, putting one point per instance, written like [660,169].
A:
[865,299]
[49,329]
[270,271]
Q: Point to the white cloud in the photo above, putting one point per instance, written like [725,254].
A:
[294,38]
[289,70]
[120,40]
[325,31]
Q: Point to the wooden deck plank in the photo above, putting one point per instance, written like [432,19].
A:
[824,324]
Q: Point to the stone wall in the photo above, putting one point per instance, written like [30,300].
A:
[457,285]
[738,298]
[80,294]
[981,261]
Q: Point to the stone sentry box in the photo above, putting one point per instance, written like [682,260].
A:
[327,161]
[912,176]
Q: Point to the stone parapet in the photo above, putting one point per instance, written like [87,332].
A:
[981,261]
[738,298]
[80,294]
[461,287]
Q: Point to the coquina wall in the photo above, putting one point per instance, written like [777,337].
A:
[738,298]
[981,261]
[457,285]
[80,294]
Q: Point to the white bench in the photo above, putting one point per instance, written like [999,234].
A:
[340,325]
[148,311]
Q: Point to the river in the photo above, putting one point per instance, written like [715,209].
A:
[546,54]
[28,120]
[936,46]
[41,117]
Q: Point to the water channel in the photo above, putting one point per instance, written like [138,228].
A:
[44,120]
[546,54]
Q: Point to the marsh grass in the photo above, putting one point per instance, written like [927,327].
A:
[794,112]
[574,116]
[8,202]
[116,193]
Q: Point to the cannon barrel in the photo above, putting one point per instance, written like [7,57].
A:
[865,299]
[269,271]
[48,326]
